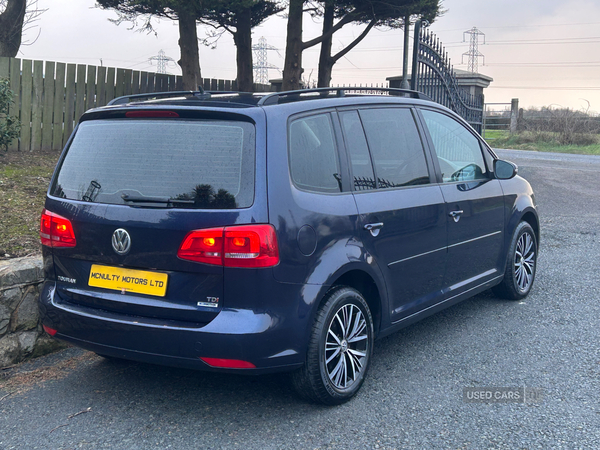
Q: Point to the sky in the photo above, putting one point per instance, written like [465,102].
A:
[543,52]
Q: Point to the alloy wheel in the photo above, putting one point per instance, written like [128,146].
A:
[524,263]
[346,346]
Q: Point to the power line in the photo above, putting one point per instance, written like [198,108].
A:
[549,88]
[462,44]
[547,64]
[563,41]
[542,40]
[392,31]
[540,65]
[527,26]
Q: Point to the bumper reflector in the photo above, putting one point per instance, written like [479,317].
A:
[228,363]
[50,331]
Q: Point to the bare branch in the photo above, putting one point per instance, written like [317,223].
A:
[87,410]
[355,42]
[70,417]
[343,21]
[60,426]
[32,15]
[213,36]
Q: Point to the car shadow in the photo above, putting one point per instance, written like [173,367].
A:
[177,388]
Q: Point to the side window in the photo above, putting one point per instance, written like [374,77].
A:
[395,146]
[458,151]
[356,144]
[314,164]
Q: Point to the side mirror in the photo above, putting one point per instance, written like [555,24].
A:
[505,170]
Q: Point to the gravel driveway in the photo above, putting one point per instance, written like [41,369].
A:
[413,397]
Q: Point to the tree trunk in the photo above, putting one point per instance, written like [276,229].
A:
[325,60]
[242,39]
[190,56]
[292,68]
[11,27]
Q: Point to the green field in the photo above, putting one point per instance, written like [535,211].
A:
[491,135]
[541,142]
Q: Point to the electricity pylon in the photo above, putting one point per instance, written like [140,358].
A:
[261,64]
[162,60]
[473,52]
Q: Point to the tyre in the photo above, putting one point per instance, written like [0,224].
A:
[521,262]
[339,351]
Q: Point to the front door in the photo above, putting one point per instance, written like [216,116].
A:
[474,204]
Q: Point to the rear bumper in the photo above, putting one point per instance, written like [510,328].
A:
[262,337]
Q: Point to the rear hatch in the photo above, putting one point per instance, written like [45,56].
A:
[133,186]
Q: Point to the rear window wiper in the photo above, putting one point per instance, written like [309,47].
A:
[165,200]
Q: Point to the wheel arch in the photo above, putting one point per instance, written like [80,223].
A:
[520,206]
[533,220]
[366,285]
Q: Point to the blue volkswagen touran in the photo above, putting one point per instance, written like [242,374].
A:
[280,232]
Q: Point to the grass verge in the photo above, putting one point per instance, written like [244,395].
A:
[24,179]
[540,142]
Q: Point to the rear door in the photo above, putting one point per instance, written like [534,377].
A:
[133,188]
[401,211]
[309,202]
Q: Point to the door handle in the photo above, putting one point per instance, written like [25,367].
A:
[373,228]
[456,215]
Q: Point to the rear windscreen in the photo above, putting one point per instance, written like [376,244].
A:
[160,163]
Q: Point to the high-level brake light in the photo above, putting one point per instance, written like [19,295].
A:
[150,114]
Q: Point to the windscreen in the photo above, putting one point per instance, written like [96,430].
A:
[160,163]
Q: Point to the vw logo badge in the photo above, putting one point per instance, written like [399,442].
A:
[121,241]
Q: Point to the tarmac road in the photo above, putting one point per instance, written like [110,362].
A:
[413,397]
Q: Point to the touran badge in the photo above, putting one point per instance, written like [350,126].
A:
[121,241]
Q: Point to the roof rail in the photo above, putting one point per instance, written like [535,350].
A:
[200,95]
[275,97]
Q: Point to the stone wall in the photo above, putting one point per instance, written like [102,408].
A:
[21,333]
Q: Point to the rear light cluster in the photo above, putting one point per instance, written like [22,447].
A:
[56,231]
[237,246]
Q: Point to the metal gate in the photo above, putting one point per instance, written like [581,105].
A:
[433,75]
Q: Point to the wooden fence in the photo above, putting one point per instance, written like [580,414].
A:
[51,96]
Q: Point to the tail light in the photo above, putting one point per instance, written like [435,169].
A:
[251,246]
[205,246]
[56,231]
[239,246]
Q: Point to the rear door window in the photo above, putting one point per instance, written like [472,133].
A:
[170,163]
[356,145]
[396,147]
